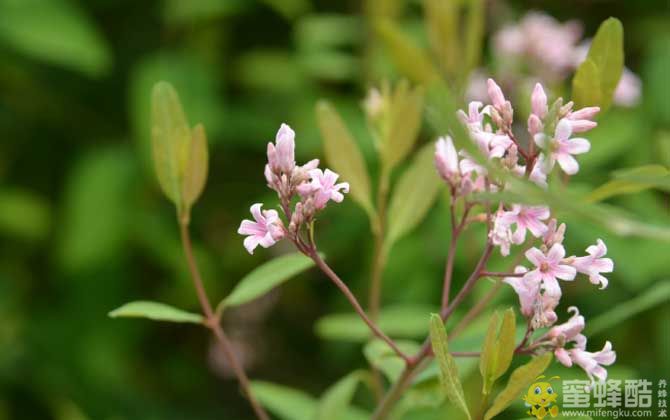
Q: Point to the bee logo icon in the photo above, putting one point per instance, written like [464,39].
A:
[541,399]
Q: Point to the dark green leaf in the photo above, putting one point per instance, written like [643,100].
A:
[155,311]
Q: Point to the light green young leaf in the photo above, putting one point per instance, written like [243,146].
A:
[171,136]
[586,86]
[413,196]
[506,343]
[655,295]
[498,349]
[406,321]
[488,356]
[54,31]
[405,122]
[656,176]
[442,21]
[518,382]
[343,154]
[409,58]
[606,52]
[287,403]
[195,173]
[380,355]
[156,311]
[336,399]
[265,277]
[474,35]
[448,370]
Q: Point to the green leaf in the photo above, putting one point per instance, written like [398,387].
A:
[409,59]
[442,22]
[474,35]
[633,180]
[54,31]
[586,90]
[407,321]
[656,294]
[287,403]
[405,121]
[344,156]
[24,214]
[380,355]
[498,349]
[448,370]
[265,277]
[195,172]
[156,311]
[597,77]
[336,399]
[413,196]
[519,381]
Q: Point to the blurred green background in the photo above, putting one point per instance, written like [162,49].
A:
[84,227]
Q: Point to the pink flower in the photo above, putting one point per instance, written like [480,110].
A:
[570,330]
[495,94]
[501,234]
[281,157]
[593,363]
[537,301]
[582,119]
[491,144]
[549,267]
[562,147]
[323,188]
[538,101]
[446,160]
[629,89]
[526,218]
[474,118]
[265,231]
[593,264]
[554,234]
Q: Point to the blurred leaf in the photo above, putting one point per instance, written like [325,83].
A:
[322,31]
[498,349]
[24,214]
[287,403]
[618,132]
[410,60]
[633,180]
[405,122]
[156,311]
[330,65]
[265,277]
[344,156]
[604,65]
[380,355]
[251,70]
[336,399]
[655,76]
[179,11]
[289,9]
[407,321]
[97,208]
[656,294]
[586,89]
[413,196]
[195,172]
[519,381]
[451,384]
[474,35]
[442,22]
[55,31]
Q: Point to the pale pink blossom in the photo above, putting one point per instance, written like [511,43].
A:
[526,218]
[555,233]
[477,90]
[594,264]
[501,234]
[475,116]
[582,119]
[538,301]
[538,101]
[493,145]
[549,266]
[535,125]
[561,147]
[571,329]
[629,89]
[593,363]
[323,188]
[446,160]
[265,231]
[495,93]
[281,156]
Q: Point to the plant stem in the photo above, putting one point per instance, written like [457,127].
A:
[451,255]
[325,268]
[212,321]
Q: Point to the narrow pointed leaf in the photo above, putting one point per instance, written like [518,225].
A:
[488,356]
[519,381]
[343,154]
[607,54]
[586,86]
[195,174]
[448,370]
[506,343]
[265,277]
[155,311]
[286,403]
[337,399]
[442,21]
[413,196]
[474,35]
[405,120]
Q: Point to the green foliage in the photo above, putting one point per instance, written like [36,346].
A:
[404,122]
[498,349]
[266,277]
[344,156]
[413,196]
[156,311]
[24,215]
[336,399]
[632,181]
[597,77]
[451,384]
[519,381]
[381,356]
[406,321]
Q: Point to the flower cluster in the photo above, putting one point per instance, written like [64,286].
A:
[551,142]
[313,187]
[550,51]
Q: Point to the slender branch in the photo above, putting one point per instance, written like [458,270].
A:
[455,233]
[212,321]
[325,268]
[499,274]
[394,394]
